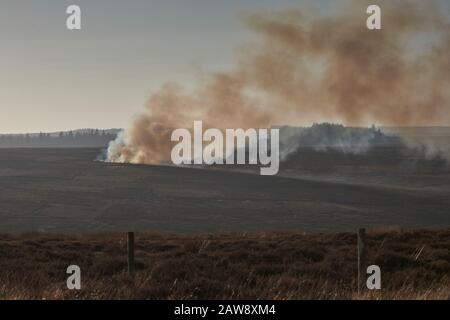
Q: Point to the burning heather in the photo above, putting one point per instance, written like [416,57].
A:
[305,68]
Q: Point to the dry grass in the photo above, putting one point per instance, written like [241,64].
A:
[277,265]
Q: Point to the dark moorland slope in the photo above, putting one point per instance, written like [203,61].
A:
[66,190]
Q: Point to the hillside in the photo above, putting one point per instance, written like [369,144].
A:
[67,190]
[63,139]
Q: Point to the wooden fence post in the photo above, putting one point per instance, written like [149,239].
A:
[130,249]
[361,259]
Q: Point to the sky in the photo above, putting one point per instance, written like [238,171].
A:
[55,79]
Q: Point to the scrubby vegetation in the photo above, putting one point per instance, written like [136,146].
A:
[414,264]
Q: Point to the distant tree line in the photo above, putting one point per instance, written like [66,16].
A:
[77,138]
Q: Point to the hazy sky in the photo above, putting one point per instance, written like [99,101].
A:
[55,79]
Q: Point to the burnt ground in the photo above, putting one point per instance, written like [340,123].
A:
[65,190]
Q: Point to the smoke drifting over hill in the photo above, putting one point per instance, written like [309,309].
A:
[307,68]
[324,137]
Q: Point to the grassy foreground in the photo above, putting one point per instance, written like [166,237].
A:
[276,265]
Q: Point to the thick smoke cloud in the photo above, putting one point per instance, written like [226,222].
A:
[305,68]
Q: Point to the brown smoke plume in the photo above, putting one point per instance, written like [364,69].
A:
[306,69]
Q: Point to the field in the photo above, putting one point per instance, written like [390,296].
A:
[222,233]
[288,265]
[65,190]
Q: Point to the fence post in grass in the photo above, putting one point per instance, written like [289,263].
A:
[130,249]
[361,259]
